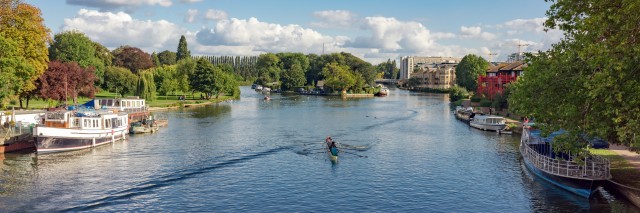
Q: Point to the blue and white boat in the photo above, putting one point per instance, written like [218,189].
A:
[580,175]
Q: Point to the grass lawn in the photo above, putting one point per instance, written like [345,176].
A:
[161,101]
[621,170]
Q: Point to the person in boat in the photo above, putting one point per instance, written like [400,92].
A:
[329,142]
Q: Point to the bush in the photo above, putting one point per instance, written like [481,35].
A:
[476,99]
[485,103]
[456,93]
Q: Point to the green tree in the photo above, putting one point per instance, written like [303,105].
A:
[293,77]
[203,78]
[166,78]
[339,77]
[75,46]
[24,32]
[155,59]
[457,93]
[588,82]
[167,57]
[183,52]
[120,80]
[470,67]
[185,68]
[146,87]
[268,68]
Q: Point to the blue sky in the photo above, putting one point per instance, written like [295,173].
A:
[373,30]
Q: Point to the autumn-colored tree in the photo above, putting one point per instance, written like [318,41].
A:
[24,52]
[132,58]
[67,79]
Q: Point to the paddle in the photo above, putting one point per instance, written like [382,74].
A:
[362,156]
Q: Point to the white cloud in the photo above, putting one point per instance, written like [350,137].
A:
[119,4]
[116,29]
[263,37]
[389,34]
[191,15]
[535,26]
[213,14]
[476,32]
[334,19]
[190,1]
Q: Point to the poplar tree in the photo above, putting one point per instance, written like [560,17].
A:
[182,52]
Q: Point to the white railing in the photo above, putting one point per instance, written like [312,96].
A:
[593,167]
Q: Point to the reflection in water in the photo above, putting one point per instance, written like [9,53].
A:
[401,153]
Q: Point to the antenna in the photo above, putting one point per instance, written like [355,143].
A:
[520,45]
[491,54]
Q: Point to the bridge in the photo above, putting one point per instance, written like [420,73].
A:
[387,81]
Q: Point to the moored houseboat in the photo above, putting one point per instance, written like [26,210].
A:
[579,175]
[16,129]
[488,122]
[72,130]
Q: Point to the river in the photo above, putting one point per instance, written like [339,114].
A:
[408,154]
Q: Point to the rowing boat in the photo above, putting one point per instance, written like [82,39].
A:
[333,153]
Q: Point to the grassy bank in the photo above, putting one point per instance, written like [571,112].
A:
[161,101]
[621,170]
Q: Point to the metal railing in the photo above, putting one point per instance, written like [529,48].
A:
[593,167]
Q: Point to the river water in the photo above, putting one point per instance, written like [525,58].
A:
[407,153]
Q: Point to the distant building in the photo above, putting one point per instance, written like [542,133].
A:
[498,77]
[436,76]
[411,64]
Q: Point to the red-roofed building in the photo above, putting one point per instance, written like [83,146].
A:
[498,77]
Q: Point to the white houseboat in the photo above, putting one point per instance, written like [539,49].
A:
[488,122]
[72,130]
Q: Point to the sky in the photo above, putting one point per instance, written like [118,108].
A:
[374,30]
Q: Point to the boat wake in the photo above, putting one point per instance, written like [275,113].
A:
[147,187]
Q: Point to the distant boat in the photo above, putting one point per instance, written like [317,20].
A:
[266,90]
[464,114]
[488,122]
[579,175]
[258,88]
[73,130]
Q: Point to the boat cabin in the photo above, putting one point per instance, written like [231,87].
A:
[84,120]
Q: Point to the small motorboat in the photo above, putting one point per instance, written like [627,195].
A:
[267,98]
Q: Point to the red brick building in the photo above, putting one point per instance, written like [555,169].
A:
[498,77]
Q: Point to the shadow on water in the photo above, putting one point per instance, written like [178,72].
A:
[547,197]
[168,179]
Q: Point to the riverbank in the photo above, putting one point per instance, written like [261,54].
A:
[625,171]
[177,104]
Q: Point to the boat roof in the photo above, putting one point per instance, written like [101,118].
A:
[536,133]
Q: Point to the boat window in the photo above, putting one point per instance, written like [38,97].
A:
[84,121]
[76,122]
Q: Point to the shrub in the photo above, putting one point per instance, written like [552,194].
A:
[476,99]
[456,93]
[485,103]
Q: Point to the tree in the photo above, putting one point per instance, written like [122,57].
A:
[457,93]
[588,82]
[166,78]
[64,79]
[268,68]
[132,58]
[155,59]
[183,52]
[293,77]
[167,57]
[338,76]
[120,80]
[146,87]
[203,77]
[185,69]
[470,67]
[75,46]
[25,38]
